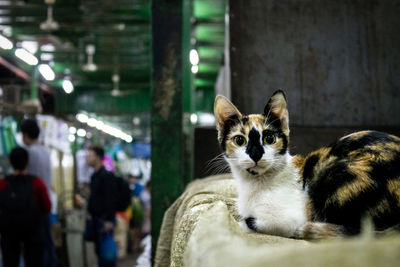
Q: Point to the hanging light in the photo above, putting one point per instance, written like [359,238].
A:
[47,48]
[90,66]
[99,125]
[195,69]
[72,130]
[68,86]
[46,57]
[5,43]
[71,138]
[129,139]
[194,118]
[49,24]
[25,56]
[92,122]
[136,120]
[30,46]
[194,57]
[81,132]
[82,117]
[46,72]
[206,119]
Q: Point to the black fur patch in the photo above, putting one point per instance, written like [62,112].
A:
[232,121]
[381,172]
[285,143]
[251,223]
[337,176]
[328,182]
[309,169]
[274,121]
[254,148]
[386,170]
[245,119]
[351,213]
[343,147]
[267,107]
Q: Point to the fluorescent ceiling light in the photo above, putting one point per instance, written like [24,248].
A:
[194,57]
[46,57]
[6,30]
[25,56]
[71,138]
[206,119]
[72,130]
[5,43]
[129,139]
[82,118]
[68,86]
[99,125]
[92,122]
[48,48]
[194,118]
[136,120]
[195,69]
[81,132]
[30,46]
[46,72]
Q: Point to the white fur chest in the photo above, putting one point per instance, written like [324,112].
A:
[277,203]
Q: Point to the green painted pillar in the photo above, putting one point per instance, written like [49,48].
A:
[188,91]
[166,119]
[187,78]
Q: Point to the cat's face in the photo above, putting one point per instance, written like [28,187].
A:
[255,143]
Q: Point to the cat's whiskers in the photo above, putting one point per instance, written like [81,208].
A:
[216,158]
[217,165]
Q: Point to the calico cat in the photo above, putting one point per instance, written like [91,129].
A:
[322,195]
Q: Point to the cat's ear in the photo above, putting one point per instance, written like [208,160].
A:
[276,111]
[224,111]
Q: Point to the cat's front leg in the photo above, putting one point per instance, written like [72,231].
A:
[319,231]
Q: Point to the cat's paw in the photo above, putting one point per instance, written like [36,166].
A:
[248,224]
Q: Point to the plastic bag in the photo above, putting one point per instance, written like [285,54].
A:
[108,247]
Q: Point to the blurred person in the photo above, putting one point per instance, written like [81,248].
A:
[102,205]
[145,199]
[143,195]
[140,224]
[39,165]
[24,201]
[136,187]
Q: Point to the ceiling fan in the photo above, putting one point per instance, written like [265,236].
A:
[115,91]
[49,24]
[90,66]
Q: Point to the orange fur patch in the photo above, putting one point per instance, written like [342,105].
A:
[381,208]
[394,188]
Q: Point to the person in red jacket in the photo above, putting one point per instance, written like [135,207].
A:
[24,201]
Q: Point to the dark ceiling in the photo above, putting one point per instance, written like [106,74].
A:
[120,31]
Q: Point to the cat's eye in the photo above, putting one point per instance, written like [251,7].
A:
[269,139]
[239,140]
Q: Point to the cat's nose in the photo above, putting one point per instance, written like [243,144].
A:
[254,148]
[255,153]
